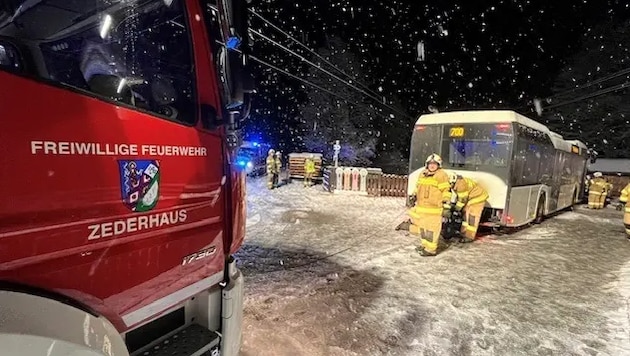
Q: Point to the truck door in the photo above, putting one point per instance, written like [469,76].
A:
[111,191]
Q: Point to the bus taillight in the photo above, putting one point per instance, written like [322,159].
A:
[420,128]
[502,126]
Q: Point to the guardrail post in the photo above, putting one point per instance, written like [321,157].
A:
[338,178]
[347,178]
[363,186]
[355,179]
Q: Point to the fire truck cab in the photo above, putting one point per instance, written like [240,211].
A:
[121,206]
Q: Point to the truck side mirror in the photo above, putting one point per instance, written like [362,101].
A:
[237,56]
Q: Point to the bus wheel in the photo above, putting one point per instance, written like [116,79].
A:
[540,210]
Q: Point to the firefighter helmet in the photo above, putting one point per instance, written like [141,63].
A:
[434,157]
[279,154]
[597,174]
[452,178]
[271,151]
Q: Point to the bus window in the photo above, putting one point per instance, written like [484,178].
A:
[470,146]
[425,140]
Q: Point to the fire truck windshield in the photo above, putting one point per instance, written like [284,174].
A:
[135,53]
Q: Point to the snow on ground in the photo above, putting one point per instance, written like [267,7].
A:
[326,274]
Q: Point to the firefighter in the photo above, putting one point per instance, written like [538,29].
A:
[271,168]
[309,170]
[597,191]
[608,193]
[278,163]
[433,196]
[625,192]
[471,198]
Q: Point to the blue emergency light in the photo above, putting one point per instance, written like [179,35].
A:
[233,43]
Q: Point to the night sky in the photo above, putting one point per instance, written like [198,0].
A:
[477,54]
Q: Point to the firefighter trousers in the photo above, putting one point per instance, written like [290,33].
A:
[626,220]
[271,180]
[472,218]
[427,223]
[308,179]
[595,200]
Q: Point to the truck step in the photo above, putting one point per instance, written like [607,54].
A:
[193,340]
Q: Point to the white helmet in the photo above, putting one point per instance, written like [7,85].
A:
[597,174]
[434,157]
[271,151]
[278,154]
[452,177]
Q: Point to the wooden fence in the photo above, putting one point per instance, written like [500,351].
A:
[618,181]
[368,181]
[393,185]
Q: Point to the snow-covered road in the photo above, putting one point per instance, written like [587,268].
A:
[328,275]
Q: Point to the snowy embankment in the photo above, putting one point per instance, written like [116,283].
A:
[327,274]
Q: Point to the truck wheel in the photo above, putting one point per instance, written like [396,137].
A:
[540,210]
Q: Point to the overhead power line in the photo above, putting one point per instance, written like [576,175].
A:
[593,82]
[329,73]
[313,52]
[287,73]
[592,95]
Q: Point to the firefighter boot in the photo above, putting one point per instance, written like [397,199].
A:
[404,225]
[423,252]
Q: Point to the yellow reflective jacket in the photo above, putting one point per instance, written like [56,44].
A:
[625,192]
[468,193]
[433,192]
[278,164]
[309,166]
[597,185]
[271,165]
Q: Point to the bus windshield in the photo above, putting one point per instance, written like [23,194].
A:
[472,145]
[475,147]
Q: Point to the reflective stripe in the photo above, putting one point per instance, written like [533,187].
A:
[459,204]
[470,228]
[594,193]
[627,209]
[463,194]
[479,199]
[428,181]
[444,185]
[432,211]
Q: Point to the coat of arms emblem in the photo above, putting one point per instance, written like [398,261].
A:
[139,184]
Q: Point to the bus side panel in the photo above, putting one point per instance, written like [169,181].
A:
[565,196]
[522,204]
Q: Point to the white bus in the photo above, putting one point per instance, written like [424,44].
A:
[528,170]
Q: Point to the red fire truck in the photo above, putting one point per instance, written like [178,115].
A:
[121,208]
